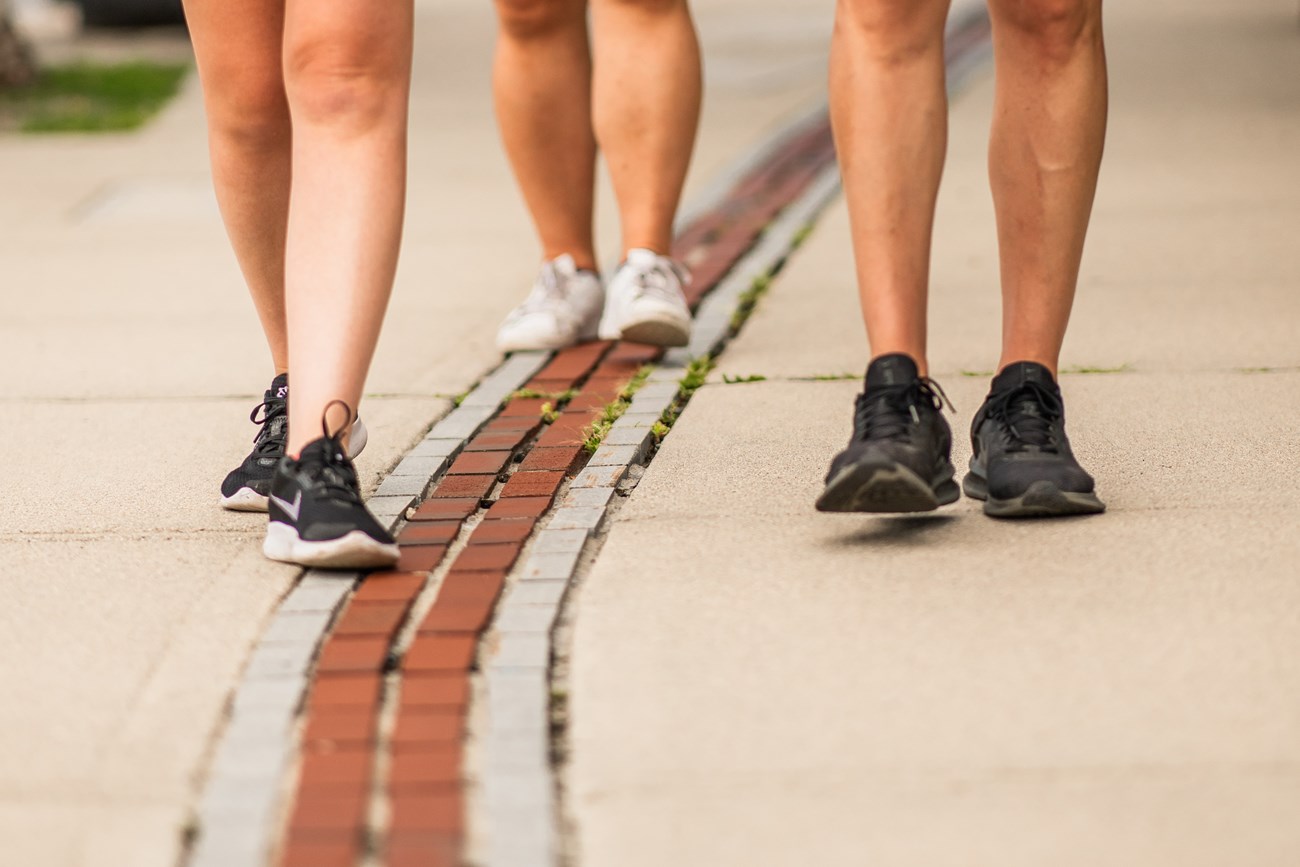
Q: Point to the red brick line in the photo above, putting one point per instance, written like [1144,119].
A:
[330,821]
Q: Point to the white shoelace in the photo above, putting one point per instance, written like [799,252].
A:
[546,292]
[657,283]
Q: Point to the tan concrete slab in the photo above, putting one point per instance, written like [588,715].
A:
[952,690]
[1201,819]
[1129,429]
[121,652]
[36,832]
[803,658]
[137,467]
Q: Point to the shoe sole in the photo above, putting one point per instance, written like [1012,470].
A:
[245,500]
[355,550]
[884,488]
[651,332]
[1043,499]
[248,500]
[657,333]
[588,332]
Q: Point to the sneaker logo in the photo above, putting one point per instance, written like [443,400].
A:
[290,509]
[283,392]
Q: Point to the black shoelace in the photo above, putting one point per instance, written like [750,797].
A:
[888,412]
[1030,412]
[329,465]
[272,416]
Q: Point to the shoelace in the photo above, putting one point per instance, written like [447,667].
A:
[273,420]
[886,412]
[335,474]
[656,282]
[1029,412]
[545,292]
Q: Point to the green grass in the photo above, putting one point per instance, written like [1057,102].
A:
[553,396]
[828,377]
[596,432]
[748,300]
[86,97]
[697,373]
[735,380]
[797,240]
[1083,368]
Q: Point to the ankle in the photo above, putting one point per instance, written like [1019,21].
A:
[584,259]
[917,358]
[1050,361]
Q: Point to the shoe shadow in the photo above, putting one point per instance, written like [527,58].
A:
[896,531]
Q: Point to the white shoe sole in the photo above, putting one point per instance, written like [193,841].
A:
[245,500]
[357,439]
[356,550]
[508,344]
[651,330]
[249,500]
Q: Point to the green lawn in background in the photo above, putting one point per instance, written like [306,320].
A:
[87,97]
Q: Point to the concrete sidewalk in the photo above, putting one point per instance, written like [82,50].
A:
[129,601]
[755,683]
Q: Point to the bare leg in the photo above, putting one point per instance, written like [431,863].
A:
[542,88]
[347,75]
[237,44]
[889,109]
[1045,153]
[647,110]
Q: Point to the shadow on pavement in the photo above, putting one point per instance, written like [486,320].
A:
[897,531]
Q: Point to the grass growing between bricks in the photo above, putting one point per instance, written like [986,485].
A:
[85,97]
[555,397]
[549,411]
[697,374]
[597,431]
[749,300]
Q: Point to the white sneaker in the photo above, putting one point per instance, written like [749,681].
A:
[645,304]
[562,309]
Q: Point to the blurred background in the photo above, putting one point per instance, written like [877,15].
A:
[1132,710]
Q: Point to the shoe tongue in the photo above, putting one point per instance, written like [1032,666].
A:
[279,387]
[893,369]
[320,451]
[1022,373]
[639,257]
[564,265]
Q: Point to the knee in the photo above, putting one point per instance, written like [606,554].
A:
[1052,28]
[246,109]
[345,82]
[892,31]
[529,19]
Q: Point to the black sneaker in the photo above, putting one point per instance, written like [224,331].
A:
[246,486]
[899,459]
[317,516]
[1022,465]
